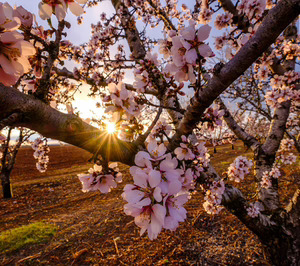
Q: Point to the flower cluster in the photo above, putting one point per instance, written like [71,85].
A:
[162,183]
[146,67]
[194,151]
[282,88]
[186,49]
[212,118]
[239,168]
[213,197]
[41,149]
[161,129]
[59,8]
[254,209]
[284,156]
[291,49]
[266,180]
[252,8]
[14,50]
[205,14]
[121,102]
[286,145]
[100,179]
[223,20]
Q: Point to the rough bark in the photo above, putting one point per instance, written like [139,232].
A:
[279,231]
[283,238]
[5,182]
[132,35]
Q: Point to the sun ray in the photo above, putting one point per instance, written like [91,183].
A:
[111,128]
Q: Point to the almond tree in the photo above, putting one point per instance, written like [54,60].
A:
[163,175]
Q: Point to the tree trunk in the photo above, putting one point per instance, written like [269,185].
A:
[6,186]
[232,146]
[284,251]
[283,243]
[215,149]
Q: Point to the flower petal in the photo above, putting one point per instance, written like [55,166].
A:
[203,33]
[45,11]
[76,9]
[191,56]
[205,50]
[60,12]
[154,178]
[157,194]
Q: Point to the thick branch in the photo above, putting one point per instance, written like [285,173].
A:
[234,201]
[132,35]
[64,127]
[277,128]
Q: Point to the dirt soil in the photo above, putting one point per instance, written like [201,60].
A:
[93,229]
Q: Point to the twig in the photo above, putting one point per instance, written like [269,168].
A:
[141,139]
[116,246]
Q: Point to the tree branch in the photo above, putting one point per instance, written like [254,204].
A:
[249,140]
[273,24]
[234,201]
[51,123]
[64,72]
[141,139]
[132,35]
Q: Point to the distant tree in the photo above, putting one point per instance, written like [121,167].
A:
[8,152]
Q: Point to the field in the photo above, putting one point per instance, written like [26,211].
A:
[92,229]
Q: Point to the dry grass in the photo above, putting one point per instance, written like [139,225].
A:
[20,237]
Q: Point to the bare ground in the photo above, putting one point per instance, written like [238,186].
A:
[93,229]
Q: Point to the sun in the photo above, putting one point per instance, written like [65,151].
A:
[111,128]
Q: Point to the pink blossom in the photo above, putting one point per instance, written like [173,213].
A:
[151,219]
[184,153]
[142,159]
[189,43]
[46,8]
[175,211]
[170,184]
[144,198]
[74,6]
[254,209]
[181,73]
[14,56]
[156,151]
[266,181]
[97,180]
[25,16]
[213,197]
[8,22]
[14,50]
[239,168]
